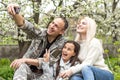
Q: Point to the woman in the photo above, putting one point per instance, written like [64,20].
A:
[92,65]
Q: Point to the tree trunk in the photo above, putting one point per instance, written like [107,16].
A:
[24,45]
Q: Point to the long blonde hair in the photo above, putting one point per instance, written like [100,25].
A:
[91,31]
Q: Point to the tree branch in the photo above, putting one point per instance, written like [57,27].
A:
[115,2]
[105,7]
[4,4]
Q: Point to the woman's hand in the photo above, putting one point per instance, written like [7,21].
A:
[66,74]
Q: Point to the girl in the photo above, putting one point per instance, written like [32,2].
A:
[68,58]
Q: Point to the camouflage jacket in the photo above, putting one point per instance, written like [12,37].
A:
[39,42]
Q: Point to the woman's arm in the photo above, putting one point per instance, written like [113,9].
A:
[92,56]
[90,59]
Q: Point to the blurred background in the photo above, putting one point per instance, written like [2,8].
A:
[14,42]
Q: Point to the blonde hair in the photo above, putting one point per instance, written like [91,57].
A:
[91,31]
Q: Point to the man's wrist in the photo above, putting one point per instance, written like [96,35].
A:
[21,25]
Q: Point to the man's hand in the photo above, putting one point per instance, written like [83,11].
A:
[19,19]
[11,8]
[16,63]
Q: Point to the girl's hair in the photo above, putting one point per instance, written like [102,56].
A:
[73,59]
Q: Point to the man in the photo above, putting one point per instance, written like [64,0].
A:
[50,39]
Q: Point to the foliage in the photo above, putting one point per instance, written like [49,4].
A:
[116,43]
[6,73]
[105,13]
[8,41]
[115,64]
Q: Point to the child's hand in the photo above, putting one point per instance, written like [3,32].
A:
[46,56]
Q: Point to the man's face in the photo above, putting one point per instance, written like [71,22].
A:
[56,27]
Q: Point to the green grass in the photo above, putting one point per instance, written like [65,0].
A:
[6,73]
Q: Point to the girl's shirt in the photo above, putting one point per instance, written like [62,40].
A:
[63,67]
[50,71]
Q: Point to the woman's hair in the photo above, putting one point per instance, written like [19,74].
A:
[73,58]
[91,30]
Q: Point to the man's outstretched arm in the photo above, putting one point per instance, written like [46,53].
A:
[19,19]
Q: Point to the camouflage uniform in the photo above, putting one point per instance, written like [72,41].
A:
[36,48]
[24,73]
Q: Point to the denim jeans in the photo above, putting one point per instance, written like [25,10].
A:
[92,73]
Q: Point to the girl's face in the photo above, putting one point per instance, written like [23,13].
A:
[82,27]
[68,51]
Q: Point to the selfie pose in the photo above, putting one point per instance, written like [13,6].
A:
[30,66]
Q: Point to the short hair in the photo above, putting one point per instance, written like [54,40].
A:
[65,21]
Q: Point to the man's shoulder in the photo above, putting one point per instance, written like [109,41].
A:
[61,39]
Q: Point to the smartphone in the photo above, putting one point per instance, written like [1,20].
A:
[17,10]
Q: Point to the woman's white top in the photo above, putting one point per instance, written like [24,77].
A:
[91,54]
